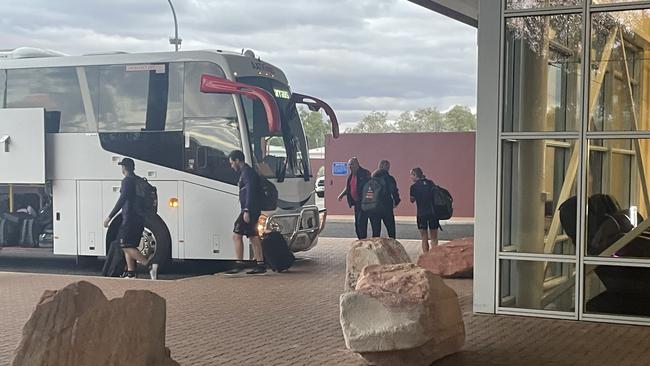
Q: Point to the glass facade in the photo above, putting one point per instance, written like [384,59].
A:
[574,233]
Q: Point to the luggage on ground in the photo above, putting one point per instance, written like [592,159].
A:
[276,252]
[115,263]
[29,233]
[9,230]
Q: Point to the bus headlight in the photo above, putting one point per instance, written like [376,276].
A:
[273,225]
[261,224]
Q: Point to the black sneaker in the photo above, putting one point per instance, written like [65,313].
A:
[128,275]
[257,270]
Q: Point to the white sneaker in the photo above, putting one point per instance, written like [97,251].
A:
[153,271]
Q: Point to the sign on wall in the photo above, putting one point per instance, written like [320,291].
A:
[339,168]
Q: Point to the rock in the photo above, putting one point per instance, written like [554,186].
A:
[453,260]
[372,251]
[79,326]
[401,315]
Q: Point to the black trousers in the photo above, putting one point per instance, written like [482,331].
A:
[360,222]
[388,218]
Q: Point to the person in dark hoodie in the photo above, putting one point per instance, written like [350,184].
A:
[353,191]
[389,200]
[422,196]
[246,223]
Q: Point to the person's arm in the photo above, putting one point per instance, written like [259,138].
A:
[412,197]
[118,205]
[345,191]
[395,192]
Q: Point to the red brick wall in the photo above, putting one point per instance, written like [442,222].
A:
[446,158]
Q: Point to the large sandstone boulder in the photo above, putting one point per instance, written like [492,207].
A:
[372,251]
[453,260]
[401,315]
[79,326]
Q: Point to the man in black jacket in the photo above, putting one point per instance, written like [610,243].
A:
[389,200]
[246,223]
[132,226]
[353,191]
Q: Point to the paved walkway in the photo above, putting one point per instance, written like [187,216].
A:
[292,319]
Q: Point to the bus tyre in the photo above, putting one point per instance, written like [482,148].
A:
[155,244]
[156,233]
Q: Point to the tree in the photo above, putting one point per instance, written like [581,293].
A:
[374,122]
[460,118]
[315,127]
[422,120]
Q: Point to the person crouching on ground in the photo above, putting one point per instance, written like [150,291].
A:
[422,195]
[353,191]
[389,200]
[250,190]
[130,231]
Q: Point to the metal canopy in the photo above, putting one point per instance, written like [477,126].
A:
[465,11]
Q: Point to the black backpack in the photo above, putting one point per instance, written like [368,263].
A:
[269,195]
[146,198]
[372,200]
[442,203]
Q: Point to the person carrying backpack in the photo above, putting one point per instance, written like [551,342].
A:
[132,226]
[250,200]
[387,198]
[353,191]
[422,195]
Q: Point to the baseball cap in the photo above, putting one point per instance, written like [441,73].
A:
[127,162]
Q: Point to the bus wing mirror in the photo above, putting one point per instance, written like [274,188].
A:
[217,85]
[314,105]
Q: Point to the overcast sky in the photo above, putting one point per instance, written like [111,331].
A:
[359,55]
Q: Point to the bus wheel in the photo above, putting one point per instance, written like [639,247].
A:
[156,243]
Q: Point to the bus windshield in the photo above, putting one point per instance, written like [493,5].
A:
[276,155]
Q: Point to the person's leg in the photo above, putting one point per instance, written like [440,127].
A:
[389,222]
[363,227]
[360,223]
[425,240]
[434,237]
[375,224]
[256,243]
[133,255]
[238,242]
[130,262]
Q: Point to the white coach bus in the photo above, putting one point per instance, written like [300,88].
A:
[66,121]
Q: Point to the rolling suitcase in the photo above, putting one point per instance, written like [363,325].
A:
[276,252]
[9,232]
[115,263]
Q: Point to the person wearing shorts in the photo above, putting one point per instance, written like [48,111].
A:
[246,223]
[422,196]
[130,232]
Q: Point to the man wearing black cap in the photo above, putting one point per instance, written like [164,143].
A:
[130,232]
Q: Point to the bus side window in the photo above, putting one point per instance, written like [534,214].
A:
[55,88]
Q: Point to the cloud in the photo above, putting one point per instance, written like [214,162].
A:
[360,55]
